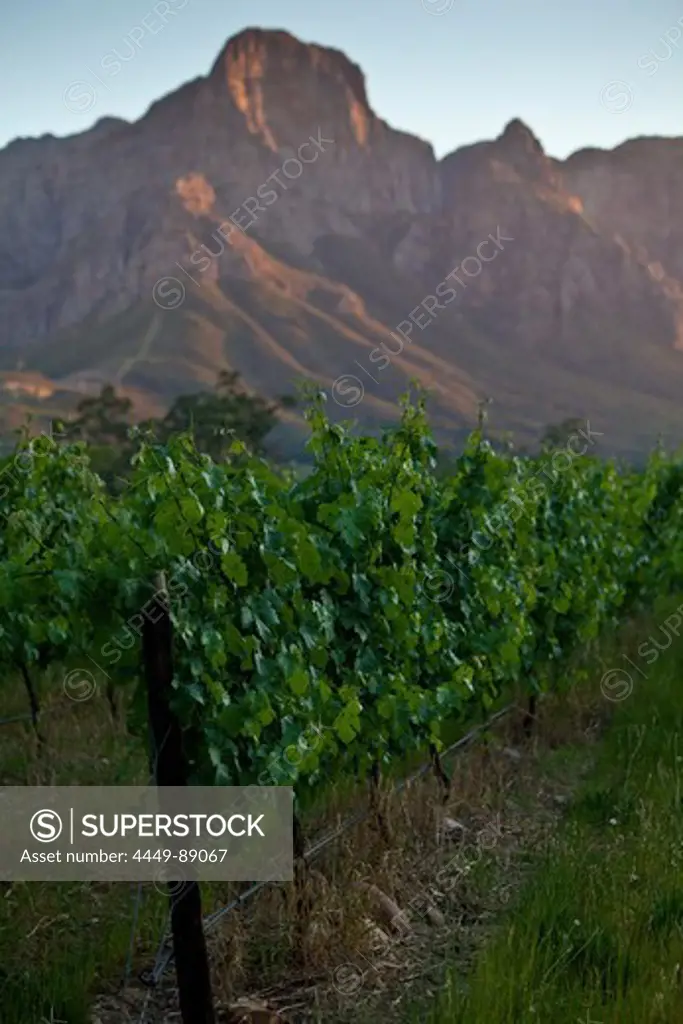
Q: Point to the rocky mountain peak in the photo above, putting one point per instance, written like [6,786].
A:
[556,286]
[518,148]
[516,155]
[517,135]
[269,73]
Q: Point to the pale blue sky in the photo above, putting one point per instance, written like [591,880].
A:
[451,71]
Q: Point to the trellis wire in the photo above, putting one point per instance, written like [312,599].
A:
[51,710]
[164,956]
[25,717]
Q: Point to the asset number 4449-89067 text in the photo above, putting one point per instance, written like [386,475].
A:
[182,856]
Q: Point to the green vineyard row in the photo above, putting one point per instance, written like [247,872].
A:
[347,615]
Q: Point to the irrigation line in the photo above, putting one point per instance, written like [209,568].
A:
[403,783]
[49,712]
[26,716]
[165,955]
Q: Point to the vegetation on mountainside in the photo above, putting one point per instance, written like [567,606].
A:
[214,419]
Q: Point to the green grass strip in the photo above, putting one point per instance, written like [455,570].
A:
[597,933]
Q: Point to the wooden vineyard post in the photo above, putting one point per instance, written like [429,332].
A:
[376,802]
[189,944]
[440,773]
[302,896]
[33,702]
[529,716]
[111,701]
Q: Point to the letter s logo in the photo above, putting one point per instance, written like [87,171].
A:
[348,391]
[46,826]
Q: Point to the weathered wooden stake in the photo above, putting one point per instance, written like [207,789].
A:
[303,906]
[376,802]
[189,944]
[33,701]
[529,716]
[440,772]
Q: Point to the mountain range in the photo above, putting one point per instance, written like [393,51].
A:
[265,219]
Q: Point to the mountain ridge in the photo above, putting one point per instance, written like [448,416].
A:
[581,314]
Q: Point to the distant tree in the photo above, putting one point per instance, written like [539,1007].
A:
[217,417]
[101,420]
[557,435]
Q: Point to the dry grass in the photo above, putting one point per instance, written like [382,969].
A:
[351,959]
[346,958]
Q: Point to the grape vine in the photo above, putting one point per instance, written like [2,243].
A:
[349,614]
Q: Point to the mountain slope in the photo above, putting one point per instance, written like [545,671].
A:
[265,219]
